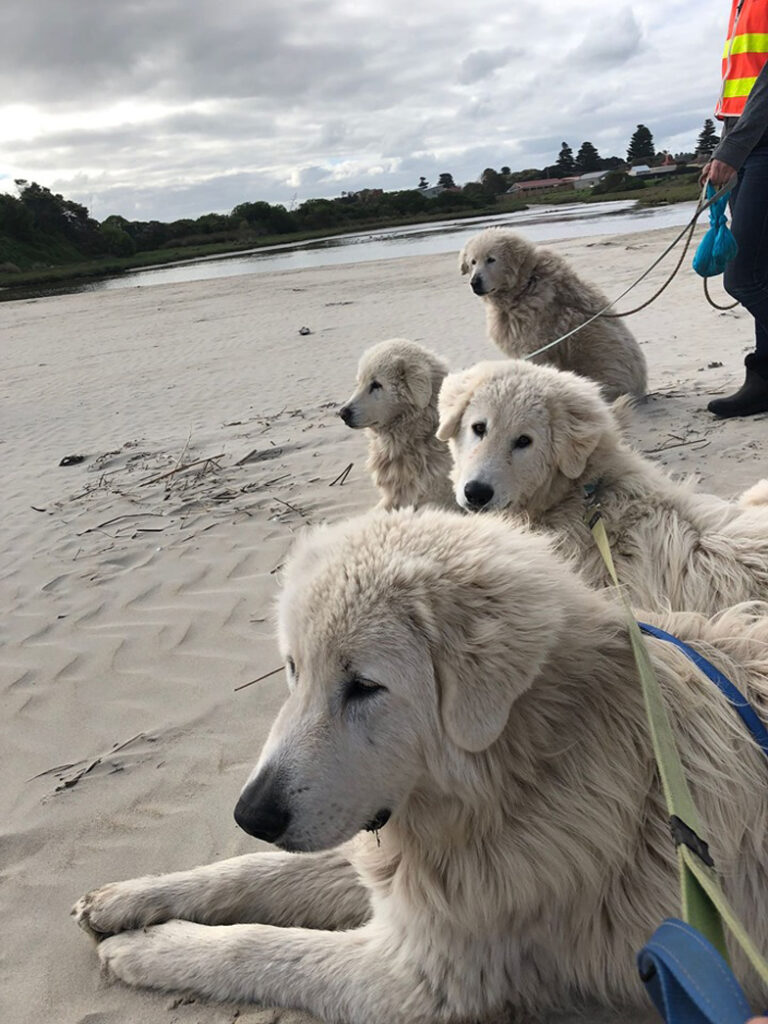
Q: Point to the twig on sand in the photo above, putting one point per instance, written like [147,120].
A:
[293,508]
[183,453]
[265,676]
[703,441]
[342,477]
[182,469]
[89,766]
[110,522]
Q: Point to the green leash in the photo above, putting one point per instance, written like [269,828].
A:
[704,904]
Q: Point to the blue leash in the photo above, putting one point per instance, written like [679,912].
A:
[687,979]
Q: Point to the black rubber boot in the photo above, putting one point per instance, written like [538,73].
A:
[752,396]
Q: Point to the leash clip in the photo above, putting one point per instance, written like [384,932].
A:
[682,833]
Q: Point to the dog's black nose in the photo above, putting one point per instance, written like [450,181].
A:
[477,285]
[477,493]
[346,413]
[260,811]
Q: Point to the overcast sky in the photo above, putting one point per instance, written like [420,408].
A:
[174,108]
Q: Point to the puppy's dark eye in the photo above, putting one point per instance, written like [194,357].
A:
[522,442]
[359,689]
[491,259]
[375,386]
[473,262]
[479,429]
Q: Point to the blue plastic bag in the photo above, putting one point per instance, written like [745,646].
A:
[718,246]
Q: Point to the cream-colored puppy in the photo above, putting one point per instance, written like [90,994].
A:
[460,690]
[532,296]
[528,440]
[398,382]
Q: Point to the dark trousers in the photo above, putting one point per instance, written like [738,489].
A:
[746,276]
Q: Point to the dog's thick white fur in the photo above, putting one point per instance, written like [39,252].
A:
[546,435]
[532,296]
[398,382]
[452,672]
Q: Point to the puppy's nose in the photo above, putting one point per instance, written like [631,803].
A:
[346,413]
[260,811]
[477,285]
[477,493]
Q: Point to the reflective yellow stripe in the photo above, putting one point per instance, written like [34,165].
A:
[738,87]
[750,42]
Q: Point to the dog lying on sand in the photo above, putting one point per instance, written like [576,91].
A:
[461,691]
[528,440]
[398,383]
[532,296]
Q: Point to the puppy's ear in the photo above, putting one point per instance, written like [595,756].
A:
[463,261]
[455,394]
[580,420]
[416,382]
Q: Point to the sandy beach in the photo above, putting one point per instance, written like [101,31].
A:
[136,599]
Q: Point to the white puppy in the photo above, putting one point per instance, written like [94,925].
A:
[532,296]
[398,383]
[461,691]
[528,440]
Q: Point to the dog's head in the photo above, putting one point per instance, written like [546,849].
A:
[407,637]
[516,429]
[394,378]
[497,261]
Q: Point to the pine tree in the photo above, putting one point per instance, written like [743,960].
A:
[587,159]
[423,183]
[707,140]
[565,163]
[641,149]
[446,180]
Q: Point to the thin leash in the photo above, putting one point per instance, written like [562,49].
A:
[702,205]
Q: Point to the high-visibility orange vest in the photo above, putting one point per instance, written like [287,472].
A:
[745,53]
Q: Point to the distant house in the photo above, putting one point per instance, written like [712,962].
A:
[433,191]
[539,185]
[646,172]
[589,180]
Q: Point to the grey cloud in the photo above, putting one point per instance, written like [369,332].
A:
[481,63]
[610,40]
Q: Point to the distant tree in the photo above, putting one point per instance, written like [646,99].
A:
[707,140]
[641,149]
[493,183]
[529,174]
[264,219]
[588,159]
[684,158]
[505,171]
[566,166]
[423,183]
[610,163]
[475,192]
[446,180]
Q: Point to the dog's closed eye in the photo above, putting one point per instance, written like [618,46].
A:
[491,259]
[359,689]
[375,386]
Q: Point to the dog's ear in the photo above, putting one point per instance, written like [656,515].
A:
[580,420]
[415,379]
[463,261]
[455,394]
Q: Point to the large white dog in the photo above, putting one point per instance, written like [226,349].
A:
[458,689]
[532,296]
[529,440]
[398,382]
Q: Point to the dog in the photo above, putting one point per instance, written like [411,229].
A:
[398,383]
[532,296]
[462,783]
[530,439]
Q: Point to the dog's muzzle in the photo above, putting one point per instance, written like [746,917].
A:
[477,494]
[346,414]
[477,285]
[261,811]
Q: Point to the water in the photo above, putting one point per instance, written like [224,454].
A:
[539,224]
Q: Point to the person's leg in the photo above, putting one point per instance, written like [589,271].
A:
[746,279]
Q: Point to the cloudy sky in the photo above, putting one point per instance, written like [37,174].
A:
[175,108]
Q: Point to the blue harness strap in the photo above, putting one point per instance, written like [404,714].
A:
[688,980]
[732,694]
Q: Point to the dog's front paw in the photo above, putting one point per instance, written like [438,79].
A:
[119,907]
[168,956]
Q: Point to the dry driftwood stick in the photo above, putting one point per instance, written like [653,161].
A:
[265,676]
[293,508]
[341,478]
[181,469]
[703,441]
[128,515]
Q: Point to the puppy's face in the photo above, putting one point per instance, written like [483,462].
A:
[501,449]
[391,382]
[495,260]
[515,429]
[348,745]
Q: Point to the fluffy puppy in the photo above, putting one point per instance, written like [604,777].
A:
[531,441]
[532,296]
[395,400]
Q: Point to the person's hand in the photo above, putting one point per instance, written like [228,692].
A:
[757,1020]
[718,172]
